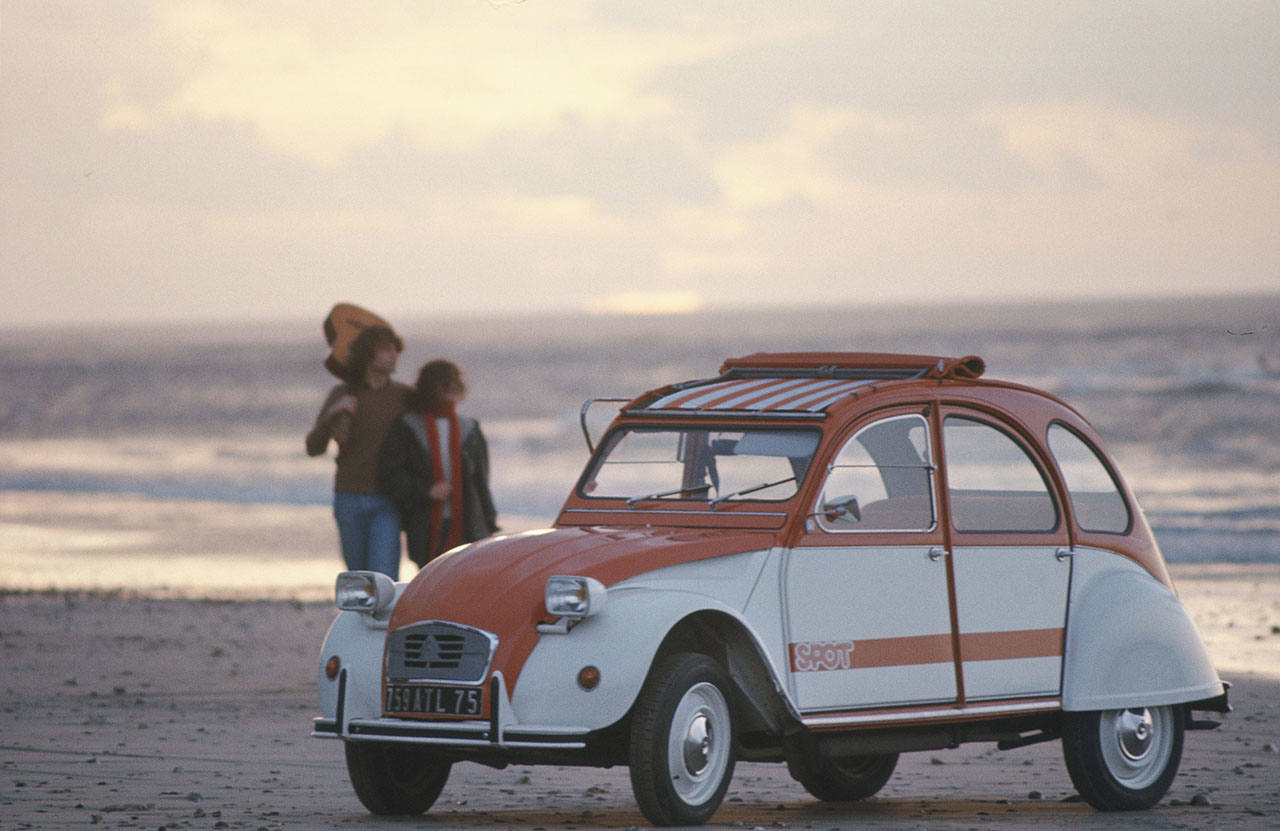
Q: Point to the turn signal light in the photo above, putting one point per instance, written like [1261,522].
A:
[589,678]
[332,667]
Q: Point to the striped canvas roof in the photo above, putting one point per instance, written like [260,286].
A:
[761,395]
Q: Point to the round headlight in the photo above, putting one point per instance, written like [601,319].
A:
[370,592]
[574,597]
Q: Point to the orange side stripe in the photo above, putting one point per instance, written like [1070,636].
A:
[923,649]
[1025,643]
[876,652]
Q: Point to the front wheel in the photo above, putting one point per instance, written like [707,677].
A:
[1123,760]
[395,779]
[681,753]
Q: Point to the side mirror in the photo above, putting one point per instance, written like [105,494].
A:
[831,511]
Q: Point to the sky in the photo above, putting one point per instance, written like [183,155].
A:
[265,159]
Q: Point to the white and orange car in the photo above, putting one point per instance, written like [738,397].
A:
[822,559]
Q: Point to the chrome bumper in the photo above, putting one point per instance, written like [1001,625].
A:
[460,735]
[473,735]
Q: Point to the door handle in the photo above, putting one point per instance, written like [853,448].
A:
[937,553]
[1063,554]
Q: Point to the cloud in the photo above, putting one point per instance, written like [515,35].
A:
[449,75]
[794,164]
[1153,180]
[460,155]
[1114,144]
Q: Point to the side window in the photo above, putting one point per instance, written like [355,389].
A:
[992,484]
[882,480]
[1095,497]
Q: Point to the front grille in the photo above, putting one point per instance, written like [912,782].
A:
[437,651]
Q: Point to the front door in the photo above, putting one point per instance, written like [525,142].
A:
[868,620]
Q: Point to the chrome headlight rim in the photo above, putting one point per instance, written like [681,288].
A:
[574,597]
[367,592]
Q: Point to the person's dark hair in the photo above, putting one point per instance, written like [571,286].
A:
[365,346]
[434,380]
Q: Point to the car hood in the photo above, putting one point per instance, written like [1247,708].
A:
[498,584]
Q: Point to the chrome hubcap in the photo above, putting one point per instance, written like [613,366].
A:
[1137,744]
[1134,732]
[698,745]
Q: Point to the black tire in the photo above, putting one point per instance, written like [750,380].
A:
[682,742]
[395,779]
[1123,760]
[846,779]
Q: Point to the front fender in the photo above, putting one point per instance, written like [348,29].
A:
[623,640]
[1130,642]
[357,640]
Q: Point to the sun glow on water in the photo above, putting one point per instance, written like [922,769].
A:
[646,303]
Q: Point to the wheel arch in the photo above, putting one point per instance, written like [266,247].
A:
[760,703]
[1130,642]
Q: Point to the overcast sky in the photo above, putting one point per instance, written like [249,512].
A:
[267,158]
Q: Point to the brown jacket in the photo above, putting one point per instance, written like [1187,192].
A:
[376,411]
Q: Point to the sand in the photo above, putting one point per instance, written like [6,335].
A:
[135,712]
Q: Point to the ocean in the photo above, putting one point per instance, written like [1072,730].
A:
[174,419]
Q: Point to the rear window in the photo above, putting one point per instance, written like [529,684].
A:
[993,484]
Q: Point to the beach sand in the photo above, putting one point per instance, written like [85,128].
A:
[162,713]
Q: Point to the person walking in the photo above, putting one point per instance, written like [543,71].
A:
[434,466]
[357,415]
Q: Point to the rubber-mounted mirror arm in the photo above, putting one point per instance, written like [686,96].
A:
[833,511]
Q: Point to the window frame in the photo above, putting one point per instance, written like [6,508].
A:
[618,431]
[1107,467]
[1034,455]
[822,525]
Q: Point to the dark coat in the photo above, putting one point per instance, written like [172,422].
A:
[404,475]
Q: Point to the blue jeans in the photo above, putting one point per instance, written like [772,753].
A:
[369,531]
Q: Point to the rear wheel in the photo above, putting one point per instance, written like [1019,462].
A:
[682,754]
[1123,760]
[845,779]
[395,779]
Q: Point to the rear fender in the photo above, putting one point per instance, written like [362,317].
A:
[1130,642]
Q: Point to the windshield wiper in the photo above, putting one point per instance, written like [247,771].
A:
[631,503]
[751,489]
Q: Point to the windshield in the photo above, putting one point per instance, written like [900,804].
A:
[709,464]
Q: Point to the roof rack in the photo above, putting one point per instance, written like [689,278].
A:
[877,365]
[784,385]
[793,384]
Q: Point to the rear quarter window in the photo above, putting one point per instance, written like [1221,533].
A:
[1095,497]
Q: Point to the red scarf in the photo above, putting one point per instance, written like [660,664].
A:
[446,409]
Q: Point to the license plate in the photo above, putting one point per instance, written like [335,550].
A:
[418,699]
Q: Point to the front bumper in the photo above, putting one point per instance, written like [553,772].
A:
[495,740]
[474,741]
[462,735]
